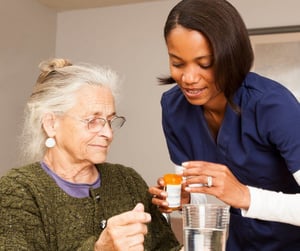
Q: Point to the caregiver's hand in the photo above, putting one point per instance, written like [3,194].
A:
[160,196]
[218,181]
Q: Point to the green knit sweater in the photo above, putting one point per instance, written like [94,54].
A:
[35,214]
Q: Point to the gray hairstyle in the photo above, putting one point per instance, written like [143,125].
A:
[54,92]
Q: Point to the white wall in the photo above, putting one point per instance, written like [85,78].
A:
[268,13]
[27,36]
[129,39]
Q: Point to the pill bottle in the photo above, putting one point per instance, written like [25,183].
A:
[173,188]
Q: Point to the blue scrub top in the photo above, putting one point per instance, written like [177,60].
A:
[261,146]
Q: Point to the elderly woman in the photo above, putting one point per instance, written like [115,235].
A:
[67,197]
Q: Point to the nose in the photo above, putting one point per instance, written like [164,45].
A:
[190,75]
[106,131]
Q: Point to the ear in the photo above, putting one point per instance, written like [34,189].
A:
[49,121]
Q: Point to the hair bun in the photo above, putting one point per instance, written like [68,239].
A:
[53,64]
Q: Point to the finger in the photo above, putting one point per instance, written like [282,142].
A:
[136,242]
[137,248]
[120,233]
[192,164]
[139,208]
[130,242]
[203,172]
[202,166]
[159,202]
[161,182]
[135,229]
[215,188]
[129,217]
[158,192]
[193,168]
[166,210]
[195,181]
[204,189]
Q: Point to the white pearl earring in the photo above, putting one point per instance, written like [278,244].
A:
[50,142]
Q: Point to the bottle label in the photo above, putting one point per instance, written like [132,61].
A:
[174,193]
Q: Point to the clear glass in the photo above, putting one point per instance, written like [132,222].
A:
[205,227]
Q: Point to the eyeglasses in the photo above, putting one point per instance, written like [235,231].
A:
[95,125]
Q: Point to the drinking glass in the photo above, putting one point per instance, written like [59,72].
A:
[205,227]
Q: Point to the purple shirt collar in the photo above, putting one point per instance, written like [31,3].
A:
[77,190]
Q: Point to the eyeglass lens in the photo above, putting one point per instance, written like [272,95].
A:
[97,124]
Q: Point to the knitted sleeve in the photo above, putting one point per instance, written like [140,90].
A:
[21,227]
[88,245]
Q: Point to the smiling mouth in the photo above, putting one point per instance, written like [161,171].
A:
[194,92]
[99,146]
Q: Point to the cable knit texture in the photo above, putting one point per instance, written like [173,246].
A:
[35,214]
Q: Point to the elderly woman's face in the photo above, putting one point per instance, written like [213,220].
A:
[73,137]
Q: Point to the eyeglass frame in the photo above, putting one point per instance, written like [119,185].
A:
[109,121]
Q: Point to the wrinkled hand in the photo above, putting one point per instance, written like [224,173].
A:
[225,186]
[125,232]
[160,196]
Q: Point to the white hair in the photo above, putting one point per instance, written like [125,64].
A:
[54,92]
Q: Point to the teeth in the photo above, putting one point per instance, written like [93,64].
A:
[193,91]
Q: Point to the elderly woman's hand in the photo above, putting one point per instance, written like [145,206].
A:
[160,196]
[125,232]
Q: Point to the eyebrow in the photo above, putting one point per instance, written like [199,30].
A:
[100,114]
[201,57]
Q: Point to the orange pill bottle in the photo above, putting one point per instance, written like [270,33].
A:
[173,188]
